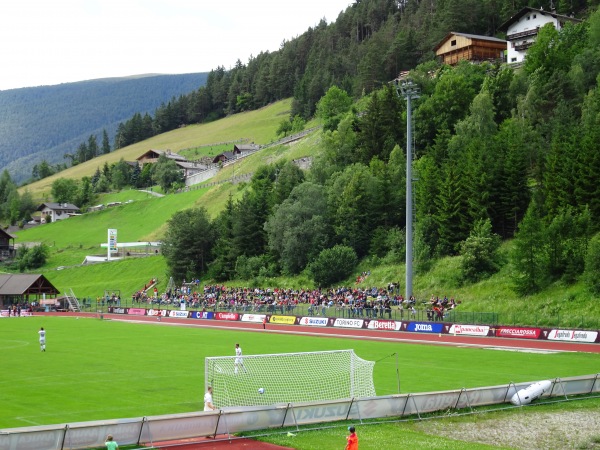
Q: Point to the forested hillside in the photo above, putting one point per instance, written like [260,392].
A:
[367,46]
[500,154]
[47,122]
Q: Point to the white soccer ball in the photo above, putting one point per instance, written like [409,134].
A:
[261,390]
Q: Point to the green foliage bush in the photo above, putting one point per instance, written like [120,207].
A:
[591,275]
[32,258]
[333,265]
[247,268]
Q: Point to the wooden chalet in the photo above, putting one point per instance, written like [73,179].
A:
[24,288]
[245,149]
[7,245]
[151,157]
[456,47]
[226,156]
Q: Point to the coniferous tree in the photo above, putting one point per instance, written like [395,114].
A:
[188,243]
[591,275]
[105,143]
[92,148]
[528,257]
[451,216]
[225,254]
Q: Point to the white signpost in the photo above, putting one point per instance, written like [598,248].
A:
[112,242]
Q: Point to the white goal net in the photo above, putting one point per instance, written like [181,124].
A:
[288,378]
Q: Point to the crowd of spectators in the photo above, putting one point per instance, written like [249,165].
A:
[16,309]
[355,301]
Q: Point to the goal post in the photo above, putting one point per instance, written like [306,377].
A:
[288,378]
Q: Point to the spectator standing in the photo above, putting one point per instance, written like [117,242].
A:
[352,439]
[110,443]
[208,400]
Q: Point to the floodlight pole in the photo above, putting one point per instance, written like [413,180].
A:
[409,91]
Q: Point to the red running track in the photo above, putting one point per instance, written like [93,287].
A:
[352,333]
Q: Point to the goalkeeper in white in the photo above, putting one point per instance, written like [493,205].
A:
[239,361]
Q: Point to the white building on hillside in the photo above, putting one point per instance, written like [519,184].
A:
[522,30]
[57,211]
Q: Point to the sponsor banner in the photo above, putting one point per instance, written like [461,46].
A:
[314,321]
[425,327]
[203,315]
[180,314]
[4,313]
[227,316]
[518,332]
[119,310]
[573,335]
[384,325]
[470,330]
[254,318]
[135,311]
[348,323]
[157,312]
[287,320]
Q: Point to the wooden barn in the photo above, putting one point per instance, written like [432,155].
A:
[456,47]
[24,288]
[7,245]
[151,157]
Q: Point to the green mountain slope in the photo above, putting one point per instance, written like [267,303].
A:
[144,217]
[258,126]
[45,122]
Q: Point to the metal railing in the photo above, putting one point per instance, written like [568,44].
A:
[420,314]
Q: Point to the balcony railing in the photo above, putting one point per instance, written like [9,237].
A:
[524,46]
[522,34]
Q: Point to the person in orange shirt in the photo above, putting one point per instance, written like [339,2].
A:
[352,440]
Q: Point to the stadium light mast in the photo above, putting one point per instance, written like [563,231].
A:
[409,91]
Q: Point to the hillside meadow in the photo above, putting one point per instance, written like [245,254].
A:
[257,126]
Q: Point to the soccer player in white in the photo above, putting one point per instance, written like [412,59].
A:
[42,334]
[239,361]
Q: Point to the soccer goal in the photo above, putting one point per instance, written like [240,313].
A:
[288,377]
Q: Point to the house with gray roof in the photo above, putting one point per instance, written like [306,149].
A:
[522,30]
[58,211]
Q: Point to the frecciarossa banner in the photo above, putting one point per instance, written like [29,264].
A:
[518,332]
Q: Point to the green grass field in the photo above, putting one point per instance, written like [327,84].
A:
[101,369]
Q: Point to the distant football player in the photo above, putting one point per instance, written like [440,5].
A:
[42,334]
[239,360]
